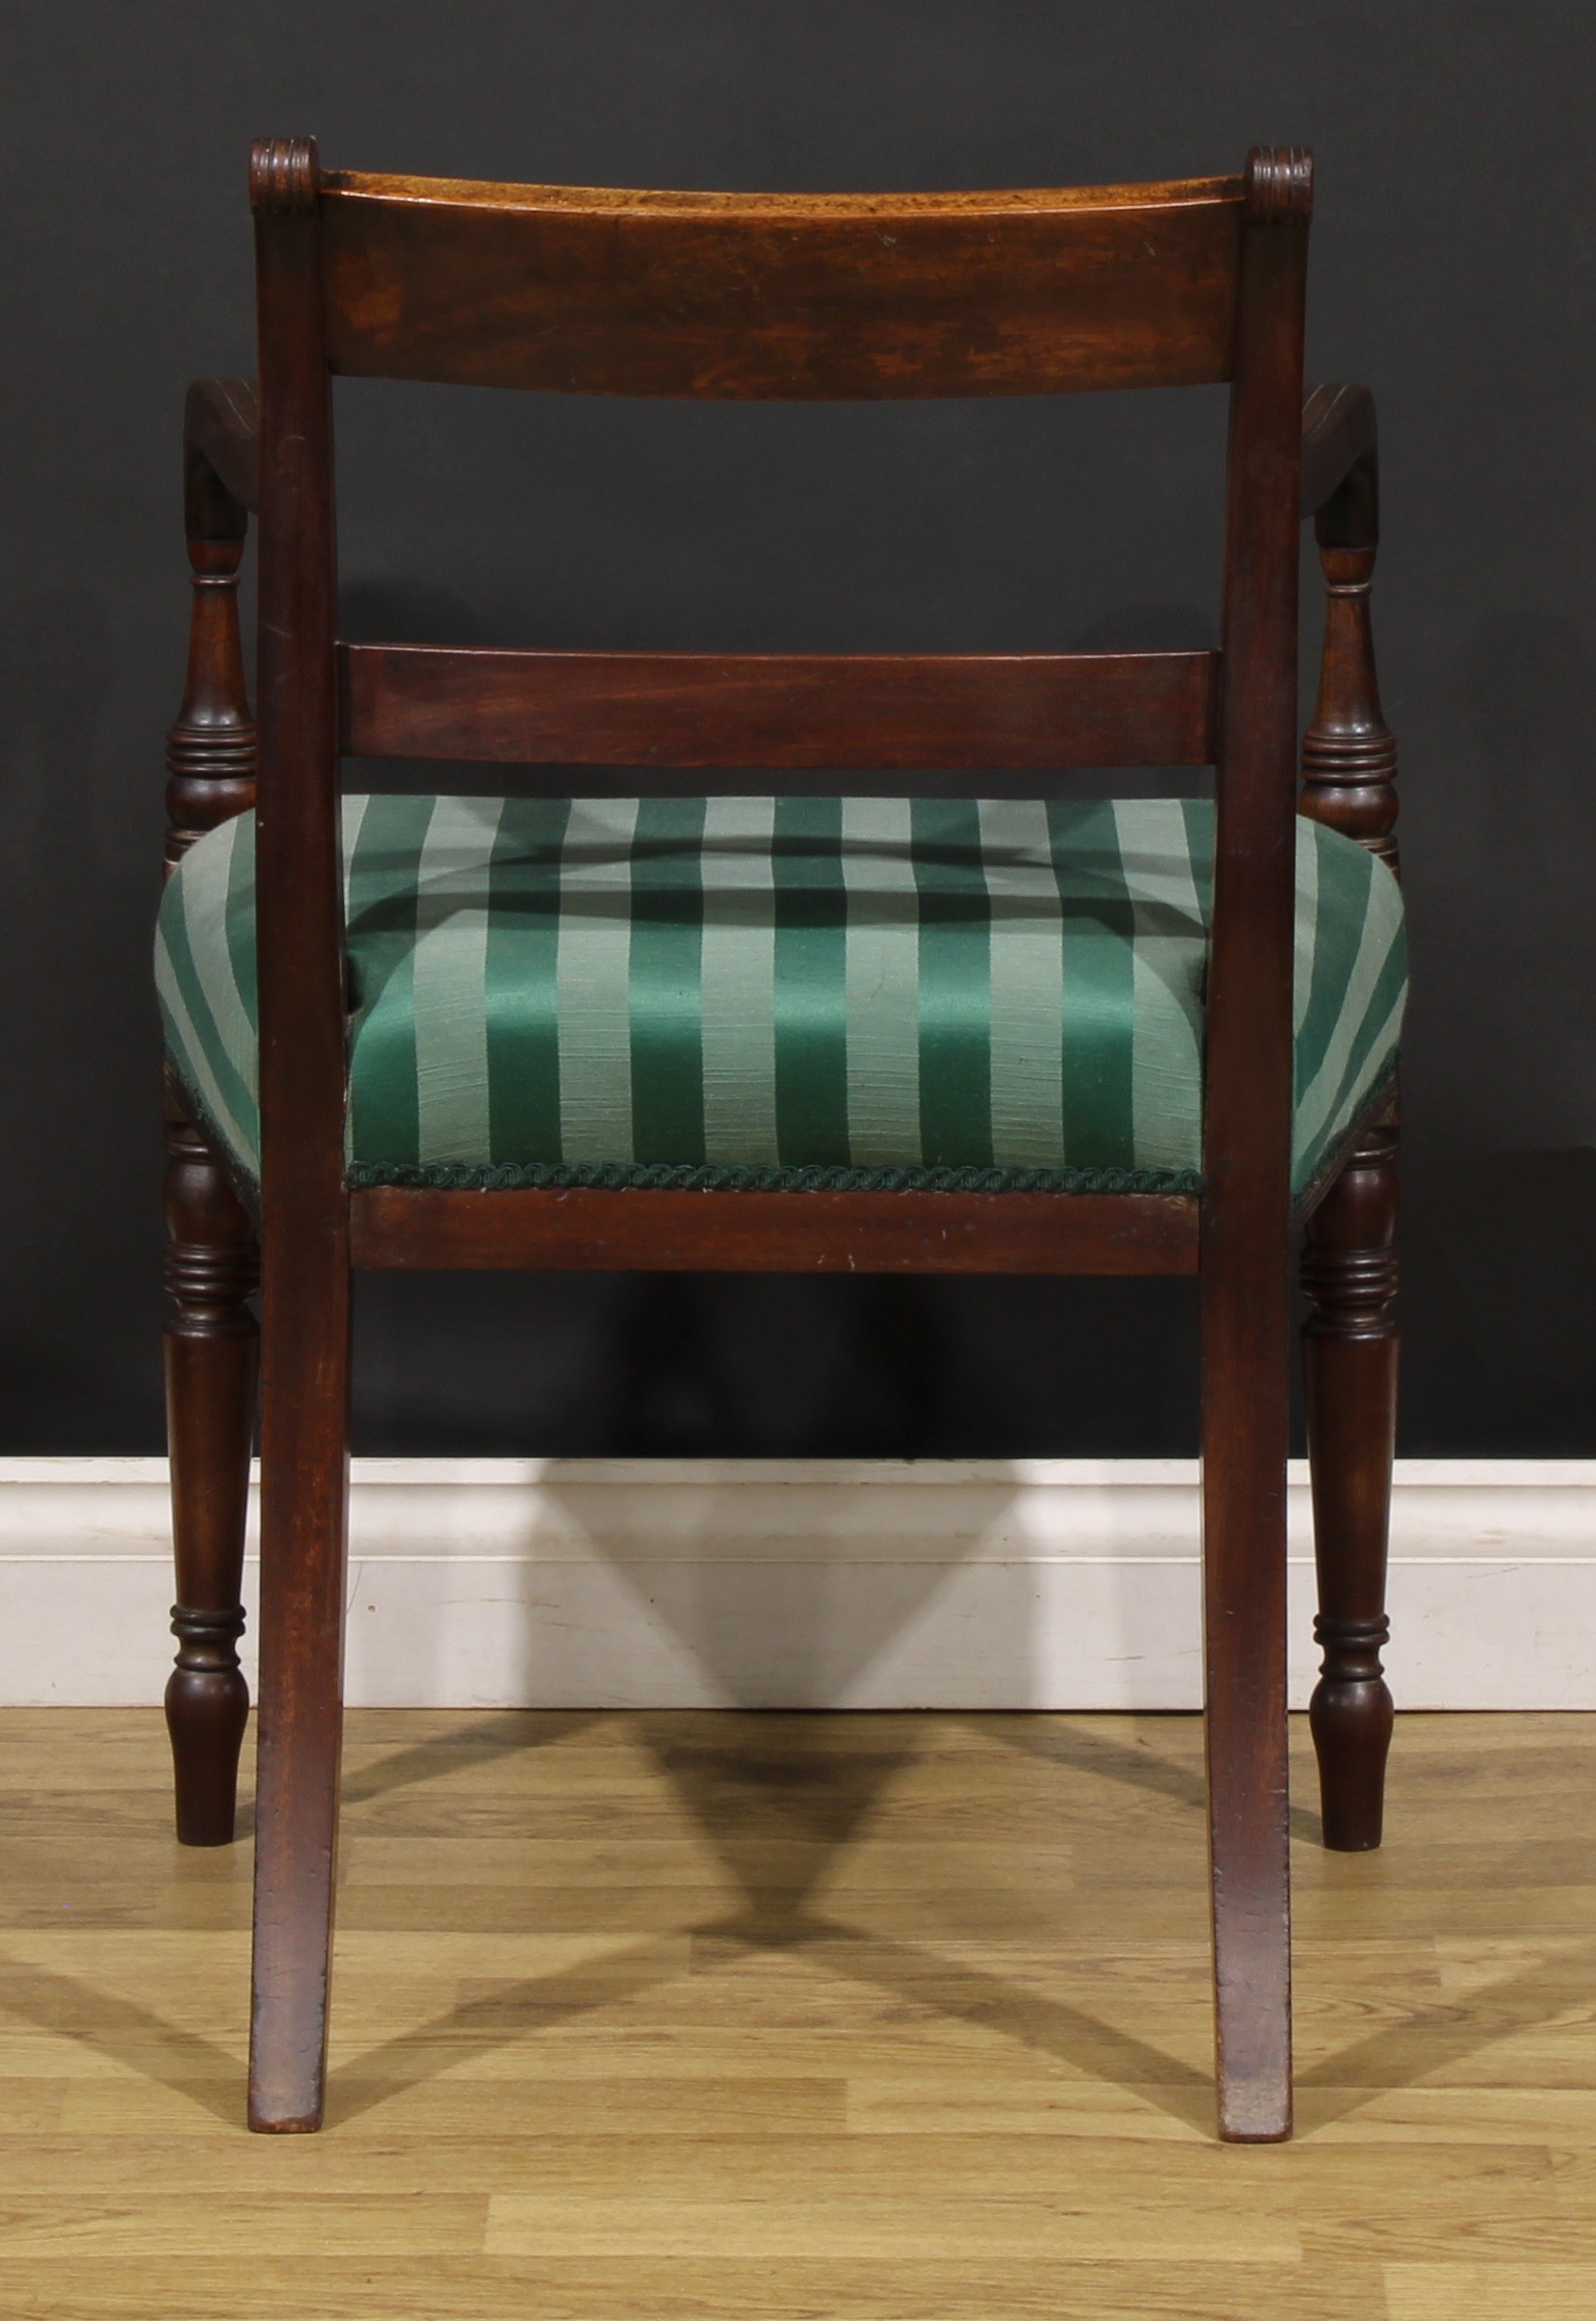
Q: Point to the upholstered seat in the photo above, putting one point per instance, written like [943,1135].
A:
[767,992]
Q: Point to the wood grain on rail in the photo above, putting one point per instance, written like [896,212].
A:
[781,296]
[893,711]
[652,1232]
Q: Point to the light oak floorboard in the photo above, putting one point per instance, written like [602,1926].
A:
[769,2018]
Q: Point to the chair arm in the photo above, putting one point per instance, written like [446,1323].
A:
[220,457]
[1341,466]
[1340,447]
[211,749]
[1349,755]
[1339,456]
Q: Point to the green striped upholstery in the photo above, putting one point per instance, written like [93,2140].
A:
[790,990]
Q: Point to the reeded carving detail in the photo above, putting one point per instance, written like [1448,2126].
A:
[211,752]
[209,1283]
[212,1265]
[1280,184]
[1350,1266]
[208,1637]
[206,1679]
[208,754]
[1352,1649]
[1359,1284]
[1348,752]
[283,175]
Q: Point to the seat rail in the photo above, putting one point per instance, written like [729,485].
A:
[395,1228]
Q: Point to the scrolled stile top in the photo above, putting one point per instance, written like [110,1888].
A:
[1280,185]
[284,175]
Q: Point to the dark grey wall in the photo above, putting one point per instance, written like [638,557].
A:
[1453,271]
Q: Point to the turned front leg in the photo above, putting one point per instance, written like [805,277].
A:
[212,1263]
[1349,1354]
[1349,1259]
[212,1358]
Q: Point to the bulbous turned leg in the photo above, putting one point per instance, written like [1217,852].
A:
[1349,1351]
[211,1346]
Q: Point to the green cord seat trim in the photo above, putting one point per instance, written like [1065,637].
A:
[665,1176]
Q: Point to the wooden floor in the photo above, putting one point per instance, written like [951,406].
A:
[728,2018]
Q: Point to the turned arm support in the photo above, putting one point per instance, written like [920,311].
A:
[212,1264]
[1349,1258]
[211,749]
[1349,753]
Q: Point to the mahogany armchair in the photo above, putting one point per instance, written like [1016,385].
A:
[783,1034]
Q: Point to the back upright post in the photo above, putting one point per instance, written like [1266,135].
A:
[1246,1200]
[305,1206]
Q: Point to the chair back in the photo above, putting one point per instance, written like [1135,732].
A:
[730,297]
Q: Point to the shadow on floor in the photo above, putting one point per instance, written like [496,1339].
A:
[482,1742]
[1134,1762]
[68,2007]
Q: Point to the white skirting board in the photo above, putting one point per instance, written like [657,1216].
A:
[806,1584]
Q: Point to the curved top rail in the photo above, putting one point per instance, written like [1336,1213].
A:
[781,296]
[610,201]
